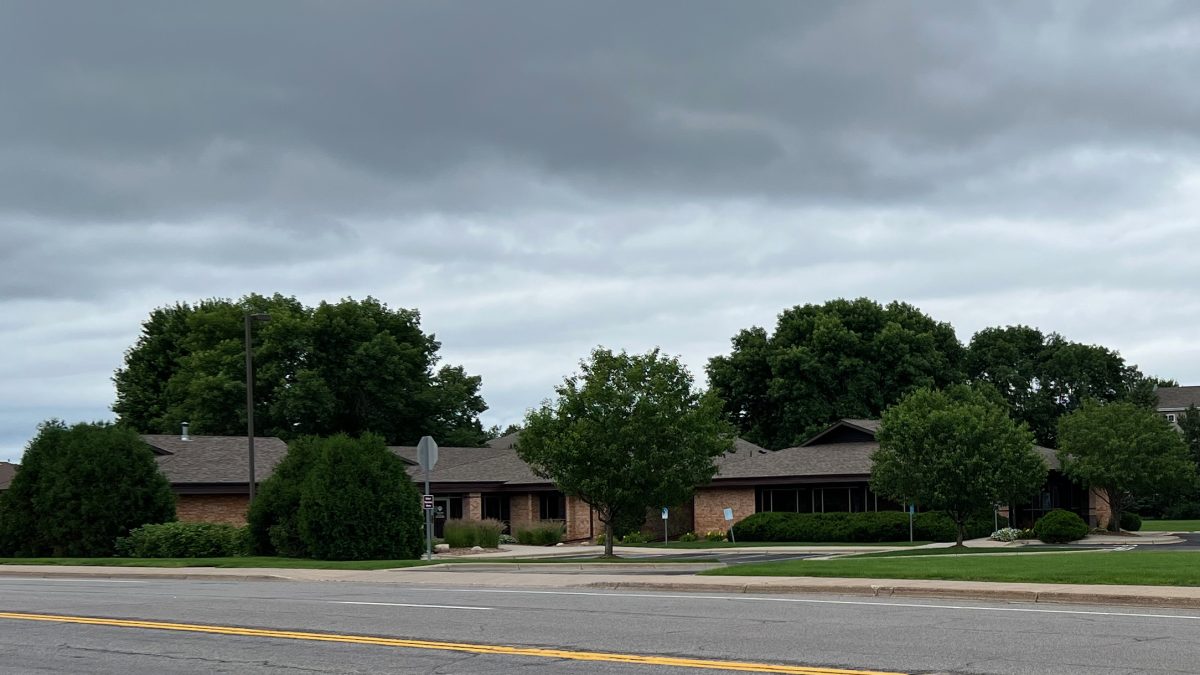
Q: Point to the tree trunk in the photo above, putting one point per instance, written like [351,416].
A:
[1116,507]
[608,538]
[960,526]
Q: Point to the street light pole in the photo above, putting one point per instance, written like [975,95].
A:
[250,318]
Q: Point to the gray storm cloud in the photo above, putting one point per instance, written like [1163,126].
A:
[541,177]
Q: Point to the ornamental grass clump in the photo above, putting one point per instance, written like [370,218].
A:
[541,533]
[471,533]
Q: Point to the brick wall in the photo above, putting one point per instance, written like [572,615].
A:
[523,509]
[229,509]
[1101,513]
[710,504]
[582,521]
[473,506]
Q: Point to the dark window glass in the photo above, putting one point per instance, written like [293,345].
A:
[552,506]
[783,500]
[836,499]
[456,507]
[858,497]
[804,500]
[496,507]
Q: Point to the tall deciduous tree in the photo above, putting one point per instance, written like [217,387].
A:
[956,451]
[846,358]
[79,488]
[347,367]
[1189,425]
[1044,377]
[629,432]
[1123,451]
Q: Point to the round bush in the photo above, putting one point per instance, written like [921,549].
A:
[79,489]
[339,498]
[1060,527]
[1131,522]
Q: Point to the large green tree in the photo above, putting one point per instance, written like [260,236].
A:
[1044,377]
[1124,451]
[79,488]
[627,433]
[1189,425]
[845,358]
[955,450]
[346,367]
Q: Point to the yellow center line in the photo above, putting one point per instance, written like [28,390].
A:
[473,648]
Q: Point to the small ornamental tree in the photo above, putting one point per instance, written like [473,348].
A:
[79,489]
[629,432]
[955,451]
[339,498]
[1123,451]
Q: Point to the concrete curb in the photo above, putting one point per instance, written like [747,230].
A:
[1083,597]
[143,576]
[551,568]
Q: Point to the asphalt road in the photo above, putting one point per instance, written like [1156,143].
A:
[844,632]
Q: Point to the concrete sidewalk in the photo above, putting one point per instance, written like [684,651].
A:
[1142,596]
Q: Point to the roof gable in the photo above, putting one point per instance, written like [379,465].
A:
[214,459]
[846,431]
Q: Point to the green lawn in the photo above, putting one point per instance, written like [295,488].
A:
[302,563]
[745,544]
[1155,568]
[954,550]
[1171,525]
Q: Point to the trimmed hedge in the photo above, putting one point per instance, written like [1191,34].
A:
[185,540]
[866,527]
[1060,527]
[468,533]
[542,533]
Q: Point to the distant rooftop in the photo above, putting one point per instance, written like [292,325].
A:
[1177,398]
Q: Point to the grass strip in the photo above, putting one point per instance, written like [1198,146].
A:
[954,550]
[755,544]
[1171,525]
[1153,568]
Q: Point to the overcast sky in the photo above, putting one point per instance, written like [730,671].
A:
[538,178]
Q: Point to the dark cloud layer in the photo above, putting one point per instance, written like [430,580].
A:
[539,177]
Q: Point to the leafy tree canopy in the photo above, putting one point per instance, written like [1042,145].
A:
[347,367]
[1044,377]
[629,432]
[1189,424]
[1124,451]
[846,358]
[956,451]
[79,488]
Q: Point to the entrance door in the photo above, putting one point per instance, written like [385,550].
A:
[441,509]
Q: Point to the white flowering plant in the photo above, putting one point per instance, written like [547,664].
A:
[1006,534]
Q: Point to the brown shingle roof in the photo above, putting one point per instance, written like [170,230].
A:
[7,471]
[473,465]
[1177,398]
[215,459]
[506,441]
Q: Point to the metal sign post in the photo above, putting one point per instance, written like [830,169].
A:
[729,519]
[912,509]
[427,456]
[665,516]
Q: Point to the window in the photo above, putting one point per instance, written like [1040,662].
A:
[835,499]
[1170,417]
[552,506]
[496,507]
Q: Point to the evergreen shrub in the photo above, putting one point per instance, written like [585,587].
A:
[79,489]
[1060,527]
[339,498]
[863,527]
